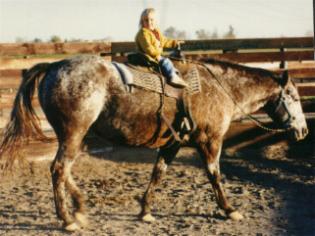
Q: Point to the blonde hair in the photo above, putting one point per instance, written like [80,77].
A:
[145,14]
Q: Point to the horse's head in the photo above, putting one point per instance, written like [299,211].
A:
[286,109]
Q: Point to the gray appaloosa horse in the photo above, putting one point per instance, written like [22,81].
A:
[86,92]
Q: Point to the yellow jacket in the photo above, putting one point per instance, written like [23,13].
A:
[148,44]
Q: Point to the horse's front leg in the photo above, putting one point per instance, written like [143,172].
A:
[210,153]
[165,157]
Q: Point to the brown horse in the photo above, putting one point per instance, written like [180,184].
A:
[85,92]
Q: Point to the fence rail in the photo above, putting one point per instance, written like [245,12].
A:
[229,44]
[26,49]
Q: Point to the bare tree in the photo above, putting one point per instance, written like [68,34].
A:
[55,39]
[205,34]
[230,34]
[172,32]
[215,34]
[37,40]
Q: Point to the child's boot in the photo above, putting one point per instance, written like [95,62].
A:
[177,81]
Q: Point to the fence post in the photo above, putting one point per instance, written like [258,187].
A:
[314,27]
[282,63]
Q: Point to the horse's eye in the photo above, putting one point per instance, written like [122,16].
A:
[294,97]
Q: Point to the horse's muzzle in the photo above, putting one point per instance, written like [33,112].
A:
[299,134]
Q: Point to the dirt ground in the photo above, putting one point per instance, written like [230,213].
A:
[273,187]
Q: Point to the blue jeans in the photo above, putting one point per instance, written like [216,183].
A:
[167,67]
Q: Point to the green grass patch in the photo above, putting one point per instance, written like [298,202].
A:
[308,98]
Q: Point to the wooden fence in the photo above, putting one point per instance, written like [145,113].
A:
[294,54]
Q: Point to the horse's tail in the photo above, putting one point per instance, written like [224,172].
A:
[23,123]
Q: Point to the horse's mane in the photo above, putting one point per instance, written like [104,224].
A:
[254,70]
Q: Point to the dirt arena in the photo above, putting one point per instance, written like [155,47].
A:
[273,186]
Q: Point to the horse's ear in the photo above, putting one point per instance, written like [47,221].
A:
[284,78]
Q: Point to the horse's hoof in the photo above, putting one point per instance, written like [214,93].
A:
[81,218]
[235,215]
[148,218]
[72,227]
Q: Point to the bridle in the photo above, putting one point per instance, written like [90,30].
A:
[279,110]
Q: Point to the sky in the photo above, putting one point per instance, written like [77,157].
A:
[118,19]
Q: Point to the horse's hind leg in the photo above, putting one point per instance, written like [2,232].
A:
[69,148]
[165,158]
[210,153]
[78,201]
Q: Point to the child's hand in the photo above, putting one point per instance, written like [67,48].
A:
[157,44]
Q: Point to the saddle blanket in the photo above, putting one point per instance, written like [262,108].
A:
[154,82]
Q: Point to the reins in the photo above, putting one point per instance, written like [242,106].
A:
[250,117]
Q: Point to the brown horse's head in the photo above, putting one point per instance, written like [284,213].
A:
[286,109]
